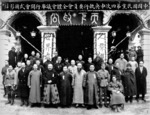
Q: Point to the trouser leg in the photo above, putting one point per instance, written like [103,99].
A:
[105,95]
[100,95]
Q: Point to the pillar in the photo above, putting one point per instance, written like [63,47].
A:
[145,41]
[48,40]
[101,41]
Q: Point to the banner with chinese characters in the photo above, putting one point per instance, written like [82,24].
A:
[100,45]
[48,44]
[74,18]
[76,5]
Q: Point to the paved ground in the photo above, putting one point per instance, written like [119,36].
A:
[135,108]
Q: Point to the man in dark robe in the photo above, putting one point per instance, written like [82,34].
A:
[59,65]
[3,72]
[25,58]
[66,62]
[90,84]
[87,65]
[65,81]
[139,54]
[35,83]
[51,95]
[97,62]
[32,57]
[29,67]
[141,74]
[129,83]
[37,57]
[48,61]
[110,66]
[80,60]
[23,85]
[54,59]
[12,57]
[19,55]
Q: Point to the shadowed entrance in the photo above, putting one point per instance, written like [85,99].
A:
[74,40]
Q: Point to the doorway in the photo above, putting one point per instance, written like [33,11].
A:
[25,23]
[74,40]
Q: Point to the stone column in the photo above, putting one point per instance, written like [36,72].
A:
[145,41]
[48,40]
[101,41]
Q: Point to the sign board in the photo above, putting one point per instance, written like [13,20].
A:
[74,18]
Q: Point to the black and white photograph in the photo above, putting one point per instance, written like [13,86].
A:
[74,57]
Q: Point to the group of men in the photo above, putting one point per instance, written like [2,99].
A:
[55,83]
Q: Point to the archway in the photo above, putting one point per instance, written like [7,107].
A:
[121,25]
[25,23]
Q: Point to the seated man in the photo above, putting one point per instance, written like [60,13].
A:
[117,98]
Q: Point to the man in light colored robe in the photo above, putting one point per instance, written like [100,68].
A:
[35,84]
[78,96]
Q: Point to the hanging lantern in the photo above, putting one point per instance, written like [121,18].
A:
[113,33]
[18,33]
[33,34]
[128,34]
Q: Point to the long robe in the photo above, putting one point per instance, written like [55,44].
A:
[78,94]
[34,80]
[12,58]
[23,83]
[129,83]
[116,97]
[65,81]
[90,84]
[141,80]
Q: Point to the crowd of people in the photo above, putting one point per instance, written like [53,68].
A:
[91,84]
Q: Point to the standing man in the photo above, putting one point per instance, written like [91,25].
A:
[25,58]
[104,78]
[54,59]
[17,69]
[65,81]
[141,74]
[122,62]
[28,66]
[132,53]
[47,62]
[78,95]
[90,84]
[37,57]
[32,57]
[51,95]
[87,66]
[23,85]
[97,62]
[80,60]
[110,66]
[140,54]
[58,65]
[10,85]
[34,83]
[12,57]
[19,55]
[133,63]
[3,72]
[72,68]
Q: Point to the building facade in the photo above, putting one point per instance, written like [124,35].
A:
[48,25]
